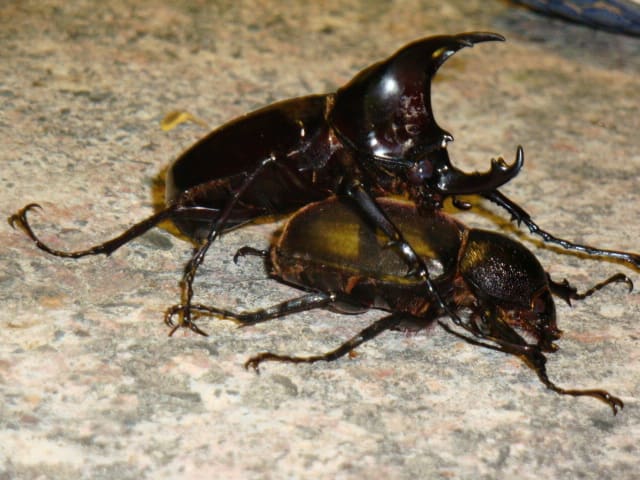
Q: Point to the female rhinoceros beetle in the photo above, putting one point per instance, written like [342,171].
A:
[499,286]
[375,136]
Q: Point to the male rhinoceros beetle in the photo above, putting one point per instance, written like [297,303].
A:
[375,136]
[329,250]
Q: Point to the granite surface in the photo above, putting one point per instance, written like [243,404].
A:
[92,387]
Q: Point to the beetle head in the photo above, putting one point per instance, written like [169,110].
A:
[535,322]
[385,114]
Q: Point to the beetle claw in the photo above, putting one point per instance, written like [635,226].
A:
[183,322]
[168,315]
[19,219]
[194,328]
[254,363]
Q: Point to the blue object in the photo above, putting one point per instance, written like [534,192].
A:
[620,16]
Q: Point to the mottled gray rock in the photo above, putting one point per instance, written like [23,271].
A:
[90,385]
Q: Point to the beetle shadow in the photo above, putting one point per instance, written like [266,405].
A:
[158,203]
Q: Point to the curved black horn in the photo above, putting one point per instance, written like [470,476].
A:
[452,181]
[385,111]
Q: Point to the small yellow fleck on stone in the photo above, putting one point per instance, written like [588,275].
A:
[51,302]
[172,119]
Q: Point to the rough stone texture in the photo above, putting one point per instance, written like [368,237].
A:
[91,386]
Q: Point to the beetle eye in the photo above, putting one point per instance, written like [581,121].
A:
[419,172]
[545,310]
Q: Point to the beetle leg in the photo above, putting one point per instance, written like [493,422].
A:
[368,333]
[509,341]
[19,220]
[568,292]
[519,215]
[215,230]
[368,206]
[538,361]
[300,304]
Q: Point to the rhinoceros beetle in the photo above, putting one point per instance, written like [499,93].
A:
[375,136]
[492,281]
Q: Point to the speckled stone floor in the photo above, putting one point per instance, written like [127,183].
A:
[92,387]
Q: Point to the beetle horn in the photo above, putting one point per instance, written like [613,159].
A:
[452,181]
[442,47]
[385,111]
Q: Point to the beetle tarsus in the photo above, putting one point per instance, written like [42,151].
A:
[568,292]
[244,251]
[521,216]
[538,364]
[173,212]
[373,330]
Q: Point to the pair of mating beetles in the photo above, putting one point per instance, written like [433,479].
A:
[335,160]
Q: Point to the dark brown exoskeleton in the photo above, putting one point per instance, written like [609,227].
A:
[488,279]
[375,136]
